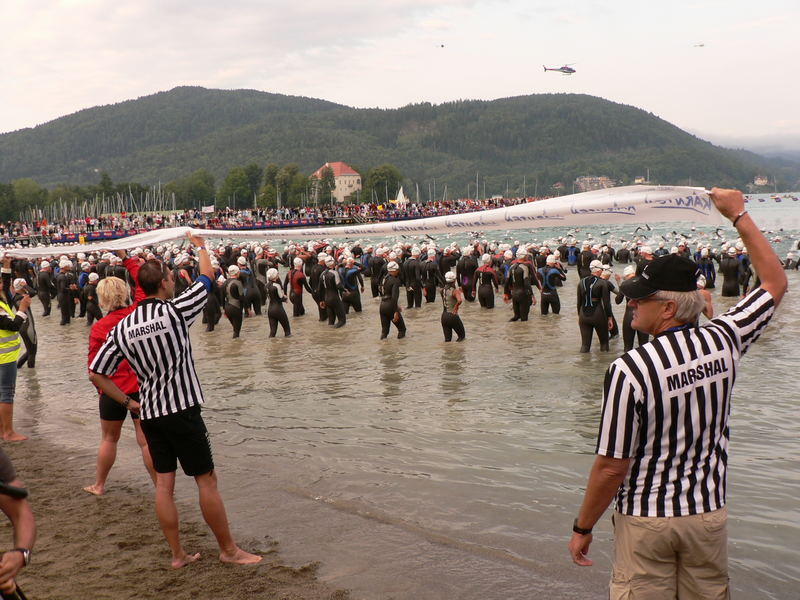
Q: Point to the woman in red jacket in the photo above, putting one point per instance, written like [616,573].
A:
[114,296]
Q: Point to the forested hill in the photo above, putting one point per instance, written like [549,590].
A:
[543,138]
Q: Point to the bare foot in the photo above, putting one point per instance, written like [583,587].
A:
[97,490]
[14,437]
[182,561]
[240,557]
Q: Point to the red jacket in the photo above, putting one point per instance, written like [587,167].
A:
[124,377]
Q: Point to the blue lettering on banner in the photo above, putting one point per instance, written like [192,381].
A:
[614,209]
[479,222]
[542,217]
[410,228]
[695,203]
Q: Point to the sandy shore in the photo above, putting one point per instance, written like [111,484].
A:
[111,547]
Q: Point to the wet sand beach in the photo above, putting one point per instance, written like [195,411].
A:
[112,547]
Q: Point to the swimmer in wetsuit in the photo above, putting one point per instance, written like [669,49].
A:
[329,290]
[551,273]
[486,282]
[431,277]
[353,284]
[452,297]
[275,312]
[390,295]
[296,281]
[594,308]
[628,332]
[234,298]
[519,288]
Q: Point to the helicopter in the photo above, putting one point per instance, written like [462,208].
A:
[566,69]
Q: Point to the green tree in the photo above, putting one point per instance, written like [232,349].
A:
[8,203]
[284,181]
[385,181]
[236,187]
[327,183]
[193,191]
[255,175]
[27,193]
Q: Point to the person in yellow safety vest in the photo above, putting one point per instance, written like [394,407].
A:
[10,343]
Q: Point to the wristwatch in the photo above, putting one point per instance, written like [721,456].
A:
[26,555]
[580,530]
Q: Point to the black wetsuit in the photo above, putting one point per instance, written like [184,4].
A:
[486,282]
[27,332]
[412,277]
[628,332]
[353,282]
[585,259]
[252,298]
[390,296]
[91,303]
[450,320]
[275,312]
[46,290]
[313,281]
[519,288]
[550,298]
[431,279]
[66,295]
[594,310]
[731,270]
[330,290]
[465,275]
[234,299]
[376,264]
[295,281]
[212,312]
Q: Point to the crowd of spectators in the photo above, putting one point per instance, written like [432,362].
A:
[255,218]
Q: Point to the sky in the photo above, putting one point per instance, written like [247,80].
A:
[61,56]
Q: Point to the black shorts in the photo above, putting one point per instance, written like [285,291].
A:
[111,410]
[180,437]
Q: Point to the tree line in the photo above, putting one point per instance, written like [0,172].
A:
[243,186]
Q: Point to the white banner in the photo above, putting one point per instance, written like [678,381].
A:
[622,205]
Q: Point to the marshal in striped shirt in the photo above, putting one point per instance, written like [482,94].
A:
[666,406]
[154,339]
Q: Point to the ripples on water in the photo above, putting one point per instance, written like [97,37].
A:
[485,442]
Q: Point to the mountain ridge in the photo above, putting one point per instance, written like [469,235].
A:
[545,138]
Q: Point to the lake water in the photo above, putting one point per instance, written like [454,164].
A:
[418,469]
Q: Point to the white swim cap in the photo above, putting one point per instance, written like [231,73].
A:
[450,276]
[19,283]
[44,265]
[233,270]
[241,261]
[272,274]
[330,261]
[521,252]
[551,260]
[93,277]
[64,264]
[508,254]
[595,264]
[298,262]
[629,270]
[392,266]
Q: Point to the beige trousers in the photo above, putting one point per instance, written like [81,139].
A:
[664,558]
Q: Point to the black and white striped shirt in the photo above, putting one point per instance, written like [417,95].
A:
[666,406]
[154,339]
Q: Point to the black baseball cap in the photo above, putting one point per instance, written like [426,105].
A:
[670,272]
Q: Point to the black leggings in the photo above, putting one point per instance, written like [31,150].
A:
[352,299]
[521,303]
[414,297]
[276,314]
[486,295]
[594,321]
[298,310]
[550,300]
[234,314]
[451,323]
[386,321]
[93,313]
[335,310]
[629,333]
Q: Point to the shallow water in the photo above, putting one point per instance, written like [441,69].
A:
[419,469]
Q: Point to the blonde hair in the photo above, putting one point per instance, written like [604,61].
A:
[113,293]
